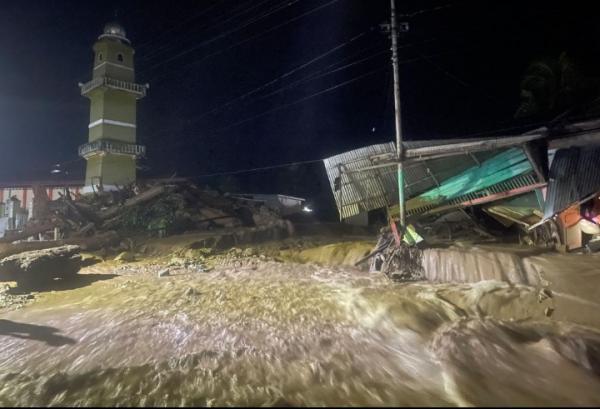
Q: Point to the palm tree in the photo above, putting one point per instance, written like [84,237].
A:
[552,86]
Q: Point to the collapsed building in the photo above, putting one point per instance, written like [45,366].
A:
[546,183]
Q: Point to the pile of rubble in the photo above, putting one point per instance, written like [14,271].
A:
[109,220]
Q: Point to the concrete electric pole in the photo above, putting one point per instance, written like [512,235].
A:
[398,120]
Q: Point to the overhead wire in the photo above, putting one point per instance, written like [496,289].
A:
[429,10]
[282,89]
[180,24]
[332,68]
[251,38]
[456,78]
[207,27]
[294,70]
[282,77]
[298,101]
[257,169]
[324,91]
[266,14]
[317,75]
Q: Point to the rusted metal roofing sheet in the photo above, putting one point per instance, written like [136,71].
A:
[574,176]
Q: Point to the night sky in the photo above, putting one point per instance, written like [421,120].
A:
[461,66]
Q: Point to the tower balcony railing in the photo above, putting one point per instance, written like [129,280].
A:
[104,147]
[138,89]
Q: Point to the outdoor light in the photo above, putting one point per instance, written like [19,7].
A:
[307,209]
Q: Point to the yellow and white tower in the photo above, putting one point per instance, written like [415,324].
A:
[111,151]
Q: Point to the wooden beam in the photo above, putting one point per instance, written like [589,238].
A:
[141,198]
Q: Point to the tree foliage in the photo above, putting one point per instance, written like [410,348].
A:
[552,86]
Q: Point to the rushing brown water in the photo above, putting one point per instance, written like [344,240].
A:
[286,334]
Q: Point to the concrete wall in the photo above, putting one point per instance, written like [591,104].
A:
[114,169]
[107,63]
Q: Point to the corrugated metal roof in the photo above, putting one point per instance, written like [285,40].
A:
[574,176]
[366,190]
[376,188]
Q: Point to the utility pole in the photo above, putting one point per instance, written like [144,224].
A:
[398,120]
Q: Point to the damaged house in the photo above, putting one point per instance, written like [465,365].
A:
[545,182]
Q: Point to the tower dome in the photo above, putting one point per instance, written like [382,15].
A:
[115,31]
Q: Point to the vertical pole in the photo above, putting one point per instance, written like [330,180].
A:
[398,120]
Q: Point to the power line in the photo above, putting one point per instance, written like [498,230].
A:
[422,11]
[298,101]
[319,75]
[293,84]
[289,86]
[250,170]
[455,78]
[192,63]
[289,73]
[225,34]
[194,17]
[154,54]
[313,76]
[283,76]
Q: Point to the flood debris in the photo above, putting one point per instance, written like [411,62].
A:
[158,210]
[399,261]
[112,222]
[163,273]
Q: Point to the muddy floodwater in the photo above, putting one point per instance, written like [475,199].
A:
[275,333]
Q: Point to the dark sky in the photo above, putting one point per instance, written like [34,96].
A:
[462,64]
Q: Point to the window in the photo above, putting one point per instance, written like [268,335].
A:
[99,56]
[120,57]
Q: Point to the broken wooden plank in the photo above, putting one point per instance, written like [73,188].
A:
[141,198]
